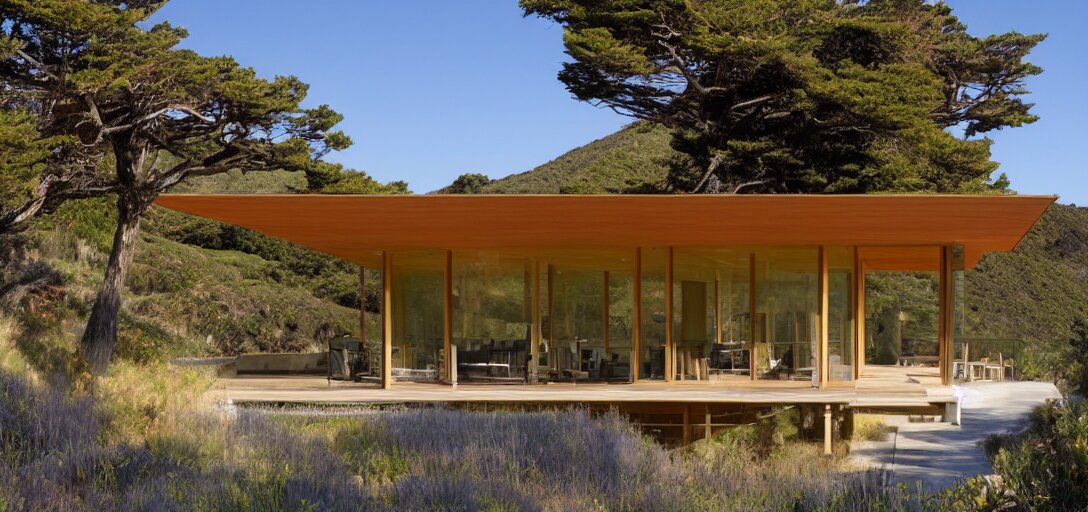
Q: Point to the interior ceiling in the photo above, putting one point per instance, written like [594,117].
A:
[358,228]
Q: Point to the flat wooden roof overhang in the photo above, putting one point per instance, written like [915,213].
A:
[357,227]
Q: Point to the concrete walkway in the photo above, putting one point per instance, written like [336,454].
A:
[937,454]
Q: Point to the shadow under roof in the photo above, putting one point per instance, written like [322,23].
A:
[358,227]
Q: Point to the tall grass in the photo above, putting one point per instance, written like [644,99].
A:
[144,441]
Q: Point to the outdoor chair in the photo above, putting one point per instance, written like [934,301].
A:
[344,355]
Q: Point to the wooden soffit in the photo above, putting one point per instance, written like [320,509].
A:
[357,227]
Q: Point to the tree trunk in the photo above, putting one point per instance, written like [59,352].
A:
[100,335]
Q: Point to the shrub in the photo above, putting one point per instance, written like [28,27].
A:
[870,427]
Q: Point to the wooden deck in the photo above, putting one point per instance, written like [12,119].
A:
[883,388]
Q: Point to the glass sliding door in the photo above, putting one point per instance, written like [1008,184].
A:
[577,323]
[695,281]
[731,355]
[654,322]
[491,317]
[840,312]
[618,338]
[787,313]
[417,309]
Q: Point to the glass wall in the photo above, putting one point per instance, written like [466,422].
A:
[960,349]
[418,300]
[491,317]
[787,313]
[840,312]
[732,355]
[711,306]
[617,364]
[732,309]
[694,319]
[652,350]
[577,323]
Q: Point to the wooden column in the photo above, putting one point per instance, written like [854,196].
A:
[859,315]
[752,323]
[636,316]
[604,314]
[718,308]
[670,356]
[944,312]
[362,305]
[823,358]
[553,348]
[447,318]
[536,331]
[387,320]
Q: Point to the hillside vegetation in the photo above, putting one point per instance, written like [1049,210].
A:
[632,159]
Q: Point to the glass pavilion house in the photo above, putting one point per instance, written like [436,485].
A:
[714,289]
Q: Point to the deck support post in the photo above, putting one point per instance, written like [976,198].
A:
[686,438]
[827,429]
[952,412]
[707,432]
[387,320]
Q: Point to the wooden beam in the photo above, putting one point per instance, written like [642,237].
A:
[670,356]
[823,351]
[387,320]
[636,314]
[447,318]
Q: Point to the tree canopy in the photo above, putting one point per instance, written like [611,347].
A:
[121,109]
[834,96]
[469,183]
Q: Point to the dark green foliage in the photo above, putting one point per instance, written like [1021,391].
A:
[469,183]
[801,96]
[1077,352]
[907,298]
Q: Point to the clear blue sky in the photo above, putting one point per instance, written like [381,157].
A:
[433,89]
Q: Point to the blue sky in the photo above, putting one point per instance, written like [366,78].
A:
[433,89]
